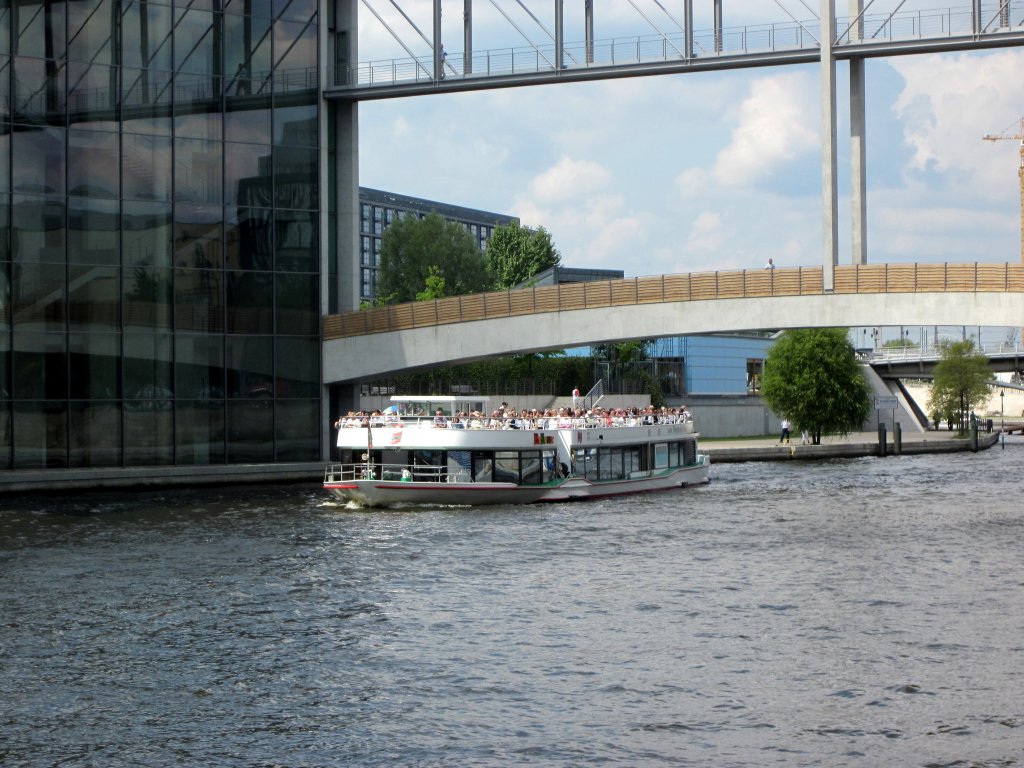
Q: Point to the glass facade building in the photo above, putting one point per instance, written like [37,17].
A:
[160,206]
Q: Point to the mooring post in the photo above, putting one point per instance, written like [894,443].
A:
[881,440]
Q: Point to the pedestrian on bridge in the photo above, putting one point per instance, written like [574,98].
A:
[770,264]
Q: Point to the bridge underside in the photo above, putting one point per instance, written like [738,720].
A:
[358,358]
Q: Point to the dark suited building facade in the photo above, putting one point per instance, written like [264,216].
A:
[161,211]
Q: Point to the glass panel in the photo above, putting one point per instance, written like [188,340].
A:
[37,229]
[197,171]
[297,435]
[148,436]
[296,126]
[147,167]
[199,432]
[298,304]
[199,300]
[5,138]
[295,178]
[5,228]
[248,120]
[197,107]
[250,303]
[93,231]
[38,297]
[37,162]
[295,9]
[40,30]
[146,36]
[531,467]
[146,101]
[40,435]
[247,176]
[248,238]
[247,50]
[250,431]
[294,56]
[199,366]
[296,241]
[94,362]
[91,29]
[39,87]
[259,8]
[194,37]
[147,372]
[5,27]
[5,310]
[94,159]
[298,367]
[5,82]
[93,299]
[147,234]
[147,298]
[40,367]
[95,435]
[506,467]
[198,236]
[250,366]
[5,404]
[93,96]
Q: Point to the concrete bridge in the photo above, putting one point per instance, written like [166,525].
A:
[366,344]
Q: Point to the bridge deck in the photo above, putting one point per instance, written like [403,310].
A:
[696,286]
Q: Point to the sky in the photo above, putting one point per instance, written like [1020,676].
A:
[704,171]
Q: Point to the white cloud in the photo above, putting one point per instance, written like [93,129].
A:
[568,179]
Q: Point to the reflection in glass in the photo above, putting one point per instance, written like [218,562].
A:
[296,126]
[146,101]
[199,300]
[39,33]
[248,120]
[94,365]
[250,302]
[250,366]
[37,229]
[295,54]
[295,178]
[246,54]
[296,241]
[199,366]
[250,426]
[94,435]
[197,107]
[195,35]
[39,87]
[146,36]
[40,434]
[147,298]
[37,161]
[146,172]
[92,96]
[148,435]
[198,236]
[90,37]
[199,432]
[147,234]
[37,297]
[246,174]
[93,161]
[5,228]
[297,362]
[93,231]
[40,366]
[197,171]
[248,238]
[298,304]
[147,371]
[297,428]
[93,298]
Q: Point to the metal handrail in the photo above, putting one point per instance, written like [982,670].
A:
[694,286]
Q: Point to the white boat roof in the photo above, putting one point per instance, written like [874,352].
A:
[439,398]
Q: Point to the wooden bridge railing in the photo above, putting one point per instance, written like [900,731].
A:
[794,281]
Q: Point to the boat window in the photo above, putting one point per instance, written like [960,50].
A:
[483,467]
[661,455]
[689,452]
[631,460]
[506,466]
[530,463]
[550,468]
[586,463]
[609,463]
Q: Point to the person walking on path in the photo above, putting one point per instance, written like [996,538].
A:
[575,398]
[770,264]
[784,437]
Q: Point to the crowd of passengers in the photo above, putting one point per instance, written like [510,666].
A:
[510,418]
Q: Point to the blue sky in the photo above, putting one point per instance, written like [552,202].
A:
[712,170]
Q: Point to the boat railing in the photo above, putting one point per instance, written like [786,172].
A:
[495,422]
[420,473]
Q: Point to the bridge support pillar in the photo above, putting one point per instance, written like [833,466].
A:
[858,144]
[830,202]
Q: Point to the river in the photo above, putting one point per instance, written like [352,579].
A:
[862,612]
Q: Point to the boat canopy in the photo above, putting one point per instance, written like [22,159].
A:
[427,405]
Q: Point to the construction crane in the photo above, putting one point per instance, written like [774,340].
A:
[1019,136]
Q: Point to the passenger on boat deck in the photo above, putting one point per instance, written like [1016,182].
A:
[439,419]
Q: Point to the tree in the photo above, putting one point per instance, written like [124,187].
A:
[423,256]
[812,377]
[516,253]
[962,379]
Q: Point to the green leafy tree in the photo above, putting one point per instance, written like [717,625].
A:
[435,286]
[811,377]
[422,256]
[962,379]
[516,253]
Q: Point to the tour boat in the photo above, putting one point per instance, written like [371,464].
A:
[425,450]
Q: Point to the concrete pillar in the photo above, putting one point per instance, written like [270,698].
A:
[438,43]
[688,29]
[559,36]
[718,26]
[830,203]
[467,37]
[858,145]
[588,28]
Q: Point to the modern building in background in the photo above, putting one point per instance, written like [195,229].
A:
[161,230]
[378,209]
